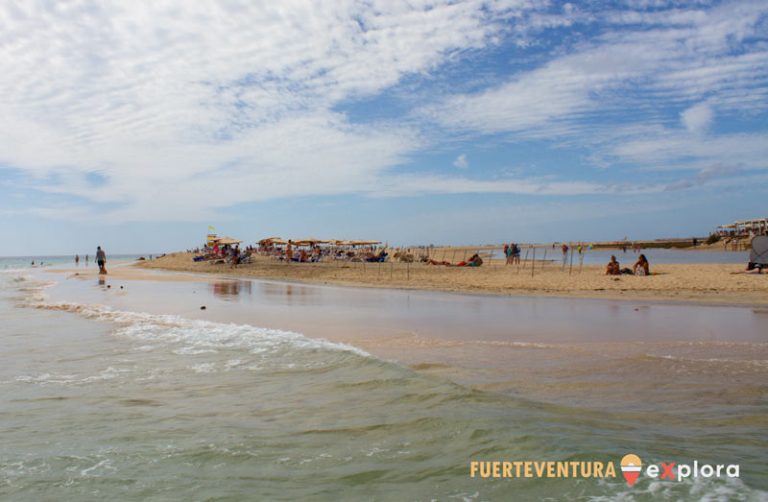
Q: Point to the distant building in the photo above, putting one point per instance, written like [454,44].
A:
[744,228]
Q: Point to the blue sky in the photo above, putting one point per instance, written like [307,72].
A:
[135,125]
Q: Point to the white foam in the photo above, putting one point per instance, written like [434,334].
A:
[109,373]
[203,368]
[761,363]
[710,490]
[196,336]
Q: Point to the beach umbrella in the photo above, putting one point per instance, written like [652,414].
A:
[310,241]
[759,253]
[223,241]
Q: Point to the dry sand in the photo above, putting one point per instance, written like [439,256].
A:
[701,283]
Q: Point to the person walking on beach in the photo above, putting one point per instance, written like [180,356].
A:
[101,260]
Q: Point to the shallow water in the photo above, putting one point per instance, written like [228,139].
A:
[136,393]
[655,256]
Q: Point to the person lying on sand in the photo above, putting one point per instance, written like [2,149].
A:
[641,266]
[474,261]
[613,267]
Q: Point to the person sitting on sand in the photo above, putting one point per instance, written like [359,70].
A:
[641,266]
[435,262]
[613,267]
[474,261]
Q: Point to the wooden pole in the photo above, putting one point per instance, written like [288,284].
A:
[533,261]
[570,269]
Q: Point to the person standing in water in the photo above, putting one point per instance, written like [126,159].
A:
[86,260]
[77,260]
[101,260]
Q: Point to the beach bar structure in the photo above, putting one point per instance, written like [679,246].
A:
[744,228]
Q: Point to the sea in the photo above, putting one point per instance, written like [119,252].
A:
[131,390]
[655,256]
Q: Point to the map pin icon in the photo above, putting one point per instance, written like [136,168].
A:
[630,468]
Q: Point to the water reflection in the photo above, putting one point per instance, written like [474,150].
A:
[228,290]
[291,293]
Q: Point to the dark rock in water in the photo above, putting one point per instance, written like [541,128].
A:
[202,308]
[121,287]
[109,286]
[141,258]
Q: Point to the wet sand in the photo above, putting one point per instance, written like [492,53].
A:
[721,284]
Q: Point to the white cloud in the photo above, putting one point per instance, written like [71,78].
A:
[461,161]
[187,107]
[698,118]
[670,147]
[670,60]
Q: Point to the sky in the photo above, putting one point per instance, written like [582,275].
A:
[136,125]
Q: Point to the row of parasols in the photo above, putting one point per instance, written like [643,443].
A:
[277,241]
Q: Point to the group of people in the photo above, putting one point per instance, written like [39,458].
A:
[224,254]
[641,267]
[512,253]
[314,253]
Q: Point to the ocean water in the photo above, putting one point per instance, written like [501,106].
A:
[655,256]
[26,262]
[108,397]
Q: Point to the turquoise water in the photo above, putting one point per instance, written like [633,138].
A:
[134,404]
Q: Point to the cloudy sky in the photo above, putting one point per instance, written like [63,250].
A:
[135,125]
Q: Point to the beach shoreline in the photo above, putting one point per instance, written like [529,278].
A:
[709,284]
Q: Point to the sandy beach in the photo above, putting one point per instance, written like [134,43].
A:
[702,283]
